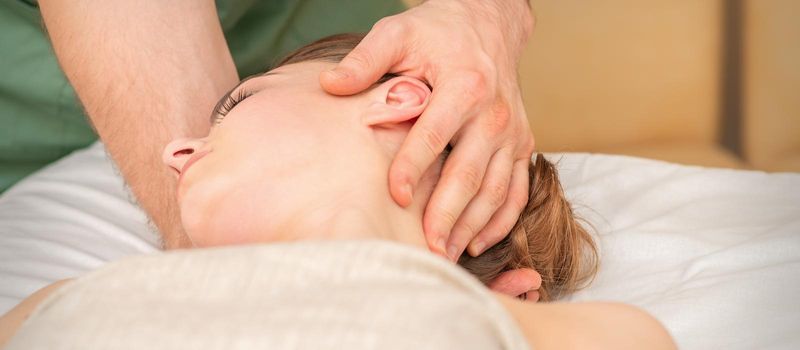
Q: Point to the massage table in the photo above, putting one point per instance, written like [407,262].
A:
[714,254]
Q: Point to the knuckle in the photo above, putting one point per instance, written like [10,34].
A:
[407,169]
[525,147]
[468,229]
[361,58]
[518,201]
[487,64]
[475,86]
[432,140]
[390,26]
[530,146]
[492,237]
[529,149]
[446,216]
[496,194]
[382,23]
[500,119]
[505,228]
[469,177]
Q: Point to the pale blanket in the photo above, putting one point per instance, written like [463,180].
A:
[303,295]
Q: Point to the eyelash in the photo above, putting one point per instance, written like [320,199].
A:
[230,101]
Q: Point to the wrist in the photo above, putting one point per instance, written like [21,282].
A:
[515,16]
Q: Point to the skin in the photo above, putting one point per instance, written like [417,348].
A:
[326,168]
[13,319]
[325,159]
[291,161]
[476,106]
[138,99]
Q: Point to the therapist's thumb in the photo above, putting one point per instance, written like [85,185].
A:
[363,66]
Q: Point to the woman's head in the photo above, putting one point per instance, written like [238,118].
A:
[282,153]
[281,145]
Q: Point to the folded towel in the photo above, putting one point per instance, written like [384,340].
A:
[359,294]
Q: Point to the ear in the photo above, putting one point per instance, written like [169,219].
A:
[397,100]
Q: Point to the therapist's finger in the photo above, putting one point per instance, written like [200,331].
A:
[481,208]
[531,296]
[374,56]
[517,282]
[428,137]
[504,219]
[462,176]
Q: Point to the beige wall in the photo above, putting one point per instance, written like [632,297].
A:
[600,74]
[643,77]
[772,84]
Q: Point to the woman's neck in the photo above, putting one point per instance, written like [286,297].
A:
[363,214]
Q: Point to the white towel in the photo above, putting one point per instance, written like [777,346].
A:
[300,295]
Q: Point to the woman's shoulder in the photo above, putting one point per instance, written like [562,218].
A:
[595,325]
[13,319]
[281,295]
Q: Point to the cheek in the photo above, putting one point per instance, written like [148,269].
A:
[273,134]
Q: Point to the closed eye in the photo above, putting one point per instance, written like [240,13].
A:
[227,104]
[232,98]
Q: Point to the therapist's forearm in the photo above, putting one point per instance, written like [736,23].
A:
[146,72]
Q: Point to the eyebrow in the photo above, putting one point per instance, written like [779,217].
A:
[217,111]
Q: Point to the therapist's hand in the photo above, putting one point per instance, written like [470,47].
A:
[468,50]
[520,283]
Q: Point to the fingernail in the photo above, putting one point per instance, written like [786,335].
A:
[478,248]
[452,252]
[337,74]
[440,244]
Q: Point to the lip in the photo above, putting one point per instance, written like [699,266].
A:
[197,156]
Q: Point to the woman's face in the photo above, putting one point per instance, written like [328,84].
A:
[285,149]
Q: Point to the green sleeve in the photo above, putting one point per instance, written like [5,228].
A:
[41,119]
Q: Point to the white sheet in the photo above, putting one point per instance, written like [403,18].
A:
[713,253]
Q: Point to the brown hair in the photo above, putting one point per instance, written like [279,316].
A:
[547,237]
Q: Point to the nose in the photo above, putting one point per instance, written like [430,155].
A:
[179,151]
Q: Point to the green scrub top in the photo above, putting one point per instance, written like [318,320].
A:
[41,119]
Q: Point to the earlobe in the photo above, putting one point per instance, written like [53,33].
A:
[396,101]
